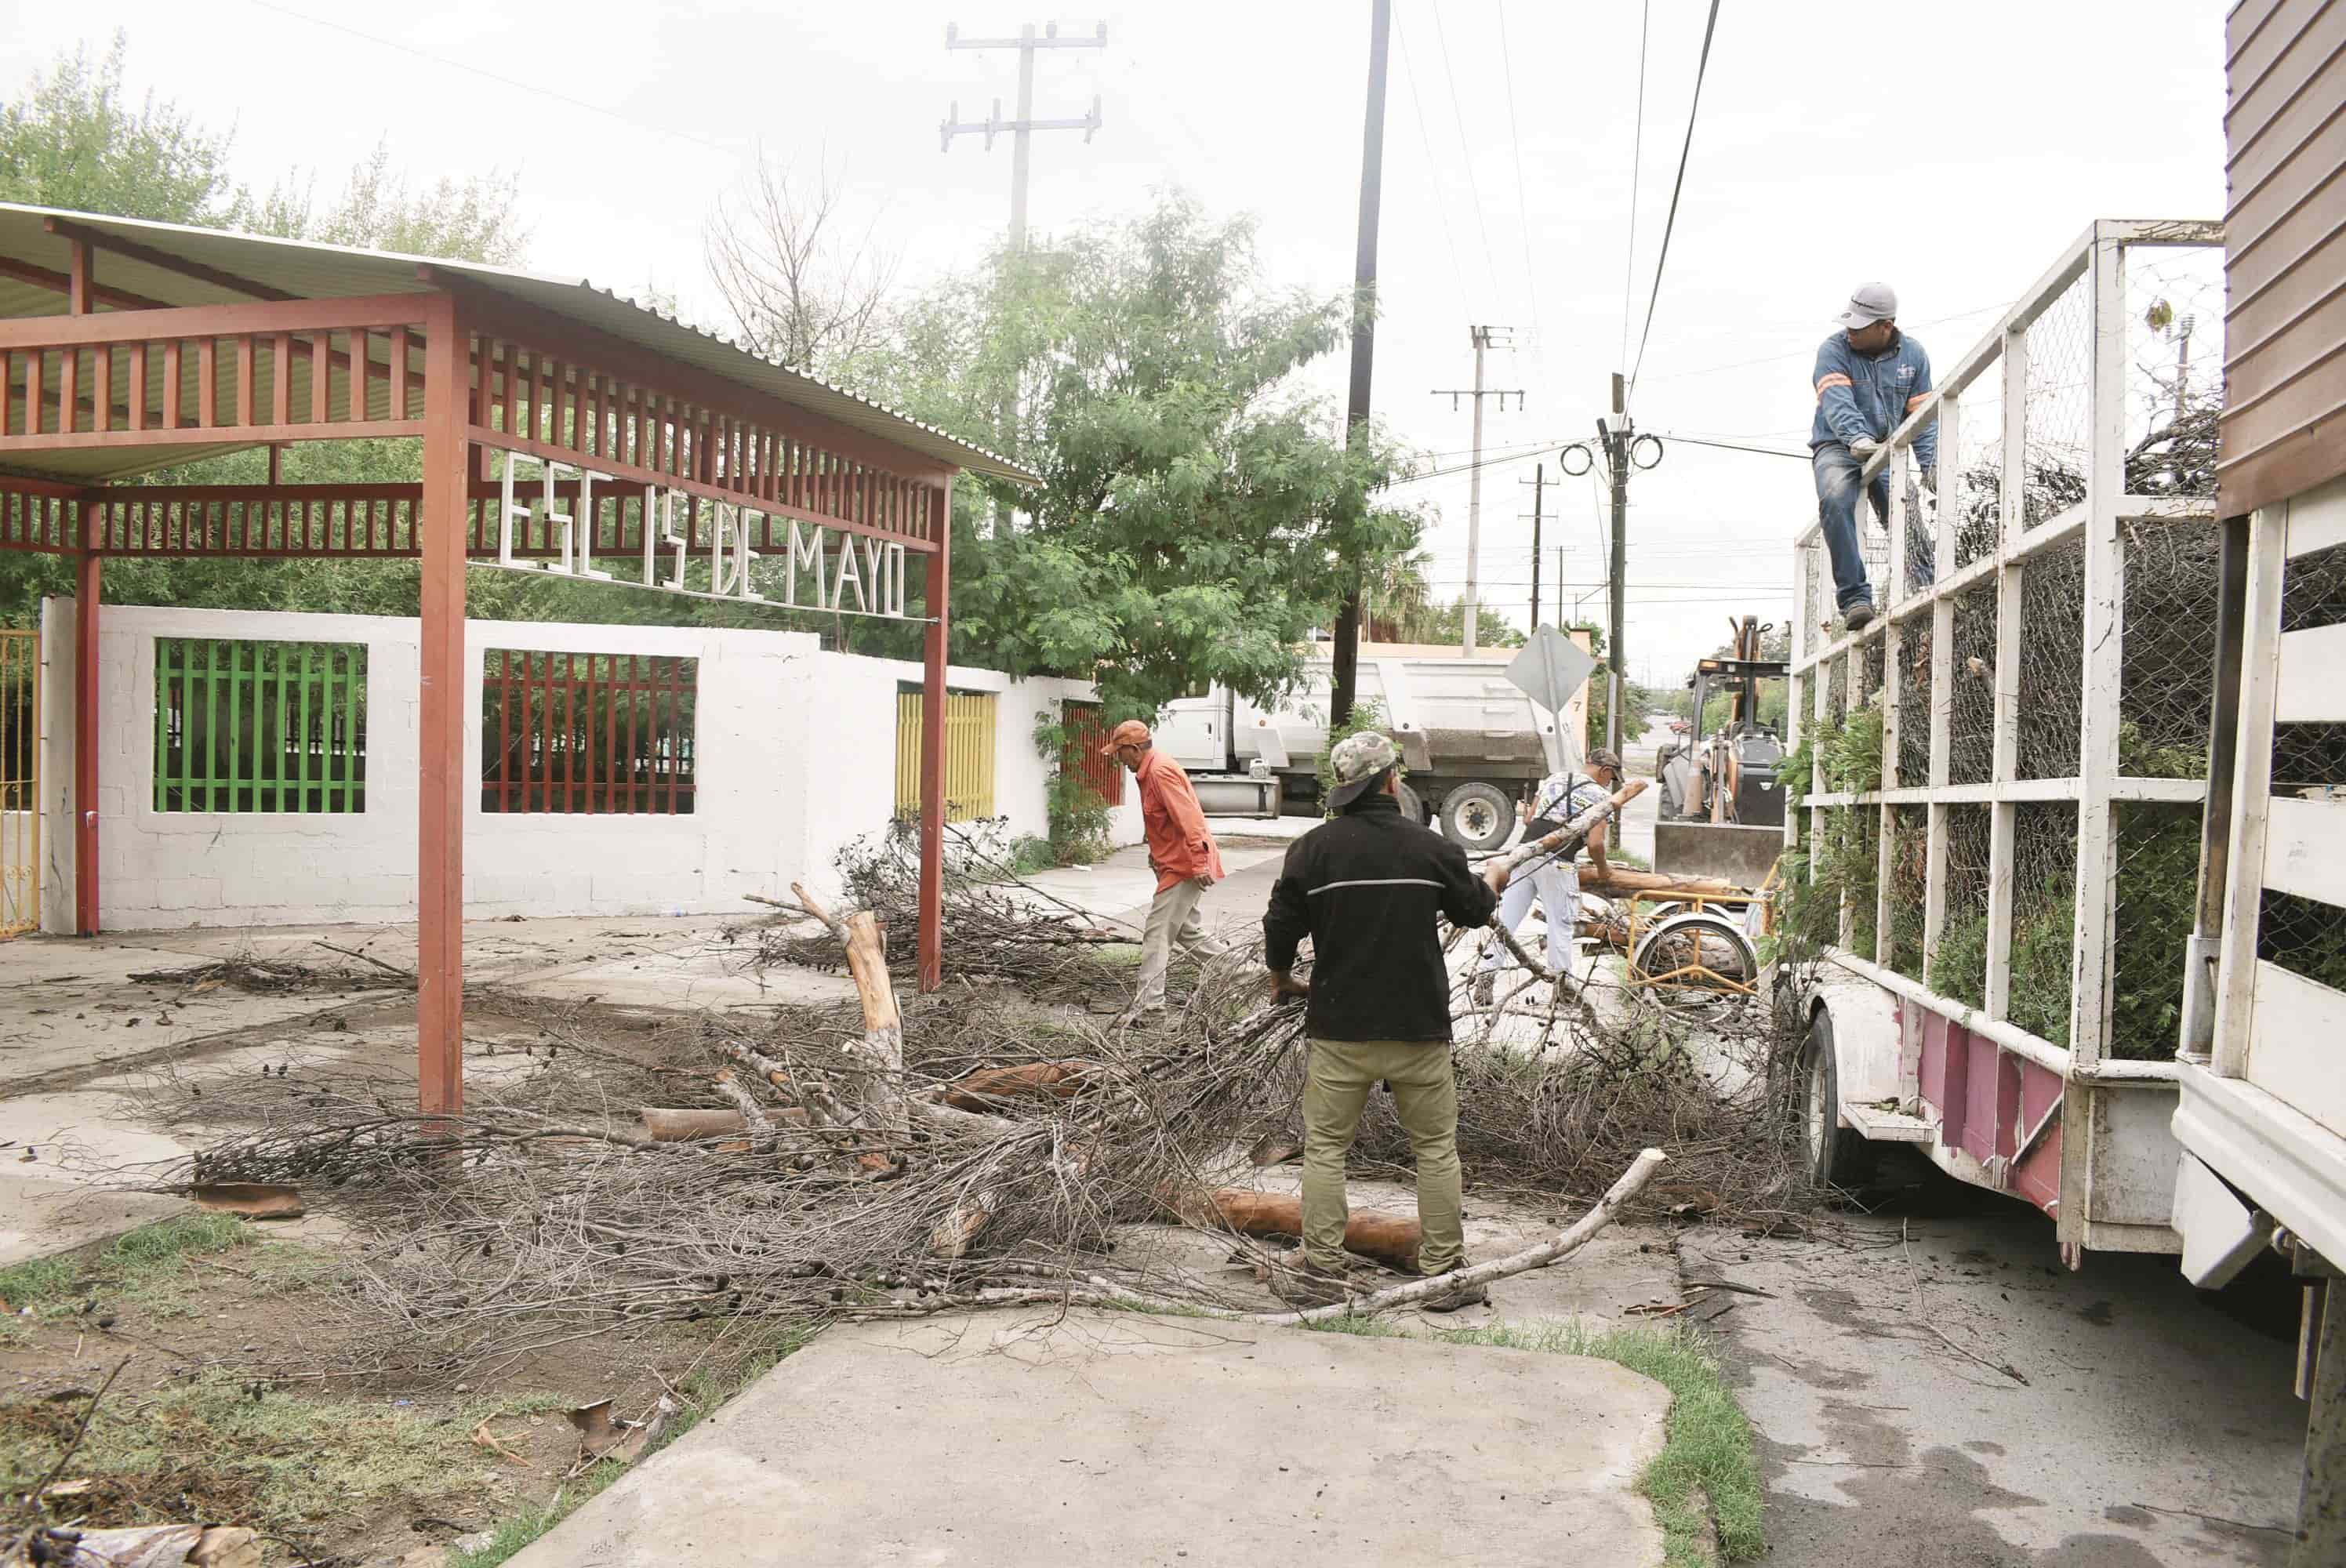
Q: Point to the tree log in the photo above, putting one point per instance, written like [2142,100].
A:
[1388,1238]
[881,1052]
[667,1126]
[989,1087]
[1565,841]
[1620,882]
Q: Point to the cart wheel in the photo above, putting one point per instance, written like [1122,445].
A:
[1838,1156]
[1478,817]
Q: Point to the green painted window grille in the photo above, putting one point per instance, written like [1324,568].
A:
[577,733]
[253,726]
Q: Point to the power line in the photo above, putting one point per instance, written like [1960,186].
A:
[1636,165]
[515,82]
[1702,67]
[1441,208]
[1466,153]
[1732,446]
[1523,201]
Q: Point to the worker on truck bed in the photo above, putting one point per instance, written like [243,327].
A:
[1554,878]
[1368,889]
[1870,376]
[1181,851]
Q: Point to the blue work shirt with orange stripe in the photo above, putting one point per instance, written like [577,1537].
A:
[1862,395]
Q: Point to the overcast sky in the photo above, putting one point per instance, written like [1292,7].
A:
[1950,150]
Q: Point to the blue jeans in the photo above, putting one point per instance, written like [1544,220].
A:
[1837,470]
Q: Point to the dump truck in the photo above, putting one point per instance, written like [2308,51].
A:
[1471,742]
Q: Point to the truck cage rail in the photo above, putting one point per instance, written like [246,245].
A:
[2003,814]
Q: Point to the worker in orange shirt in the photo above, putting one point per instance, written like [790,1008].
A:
[1183,853]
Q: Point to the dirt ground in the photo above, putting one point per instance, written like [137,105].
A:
[248,1389]
[251,1388]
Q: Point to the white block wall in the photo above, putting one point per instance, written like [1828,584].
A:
[794,757]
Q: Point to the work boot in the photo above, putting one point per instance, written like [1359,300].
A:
[1857,617]
[1457,1296]
[1307,1285]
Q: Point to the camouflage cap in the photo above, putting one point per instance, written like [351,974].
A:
[1358,762]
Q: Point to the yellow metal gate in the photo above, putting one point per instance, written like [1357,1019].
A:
[20,783]
[969,754]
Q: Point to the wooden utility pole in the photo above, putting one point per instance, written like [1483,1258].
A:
[1023,127]
[1484,339]
[1539,491]
[1346,653]
[1617,454]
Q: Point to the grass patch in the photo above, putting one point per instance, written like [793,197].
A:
[704,1391]
[1706,1440]
[209,1449]
[133,1267]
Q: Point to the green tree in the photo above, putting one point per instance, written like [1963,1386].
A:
[468,219]
[1195,506]
[69,140]
[73,139]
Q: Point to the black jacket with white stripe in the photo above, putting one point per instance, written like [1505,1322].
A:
[1365,889]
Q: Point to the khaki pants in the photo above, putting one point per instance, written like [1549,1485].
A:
[1425,1096]
[1172,917]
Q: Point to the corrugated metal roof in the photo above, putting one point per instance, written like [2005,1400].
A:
[313,271]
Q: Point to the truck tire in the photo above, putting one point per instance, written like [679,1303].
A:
[1411,806]
[1476,816]
[1838,1156]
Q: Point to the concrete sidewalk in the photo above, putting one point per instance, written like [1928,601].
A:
[1089,1438]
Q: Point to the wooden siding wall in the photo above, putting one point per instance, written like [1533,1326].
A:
[2284,423]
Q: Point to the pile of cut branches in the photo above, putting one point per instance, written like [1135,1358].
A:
[995,926]
[982,1145]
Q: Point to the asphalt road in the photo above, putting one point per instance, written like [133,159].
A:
[1884,1376]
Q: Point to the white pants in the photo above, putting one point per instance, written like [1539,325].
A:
[1172,917]
[1556,885]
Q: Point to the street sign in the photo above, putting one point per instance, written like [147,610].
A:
[1551,667]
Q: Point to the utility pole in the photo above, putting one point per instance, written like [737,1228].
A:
[1620,448]
[1539,490]
[1484,338]
[1617,453]
[1346,653]
[1024,126]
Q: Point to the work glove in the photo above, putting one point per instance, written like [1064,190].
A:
[1864,446]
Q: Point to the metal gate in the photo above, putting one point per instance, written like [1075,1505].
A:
[20,783]
[969,754]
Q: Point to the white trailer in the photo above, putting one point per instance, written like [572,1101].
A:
[2004,988]
[1471,741]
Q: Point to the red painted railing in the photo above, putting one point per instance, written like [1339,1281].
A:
[571,732]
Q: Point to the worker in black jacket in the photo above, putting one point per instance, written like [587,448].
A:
[1367,889]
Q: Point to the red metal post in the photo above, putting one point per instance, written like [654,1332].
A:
[936,593]
[440,840]
[88,519]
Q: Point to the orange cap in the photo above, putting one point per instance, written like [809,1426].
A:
[1131,732]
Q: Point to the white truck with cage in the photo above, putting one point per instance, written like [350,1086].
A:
[2005,804]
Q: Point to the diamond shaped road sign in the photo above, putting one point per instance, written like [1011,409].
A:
[1551,667]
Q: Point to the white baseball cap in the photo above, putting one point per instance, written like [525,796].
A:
[1868,303]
